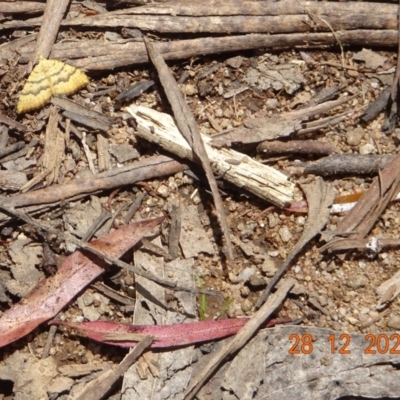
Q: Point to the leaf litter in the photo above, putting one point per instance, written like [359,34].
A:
[289,80]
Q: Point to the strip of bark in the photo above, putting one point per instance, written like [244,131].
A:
[11,149]
[11,122]
[315,147]
[235,16]
[72,106]
[348,164]
[367,244]
[94,55]
[21,7]
[242,171]
[188,128]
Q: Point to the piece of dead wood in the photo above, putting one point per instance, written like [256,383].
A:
[21,7]
[11,149]
[134,207]
[113,294]
[100,220]
[4,136]
[140,170]
[35,180]
[20,153]
[320,197]
[12,123]
[188,128]
[175,231]
[371,245]
[234,16]
[155,249]
[360,220]
[241,338]
[377,106]
[74,107]
[321,123]
[255,130]
[98,388]
[325,94]
[88,154]
[96,55]
[237,168]
[388,291]
[392,108]
[53,14]
[103,156]
[54,147]
[311,111]
[347,164]
[269,368]
[12,180]
[134,90]
[83,115]
[94,6]
[239,17]
[312,147]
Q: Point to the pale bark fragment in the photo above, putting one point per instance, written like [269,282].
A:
[237,168]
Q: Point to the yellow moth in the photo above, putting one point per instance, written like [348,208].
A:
[49,78]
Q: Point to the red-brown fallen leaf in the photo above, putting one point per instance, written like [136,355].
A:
[164,335]
[76,272]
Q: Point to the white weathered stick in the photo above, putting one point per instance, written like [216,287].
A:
[237,168]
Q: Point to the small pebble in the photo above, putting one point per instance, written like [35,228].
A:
[394,322]
[243,275]
[285,234]
[269,267]
[246,305]
[163,191]
[352,320]
[356,281]
[354,136]
[367,148]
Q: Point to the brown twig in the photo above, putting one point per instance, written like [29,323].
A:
[392,108]
[314,147]
[145,169]
[12,123]
[174,232]
[52,17]
[134,207]
[348,164]
[188,127]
